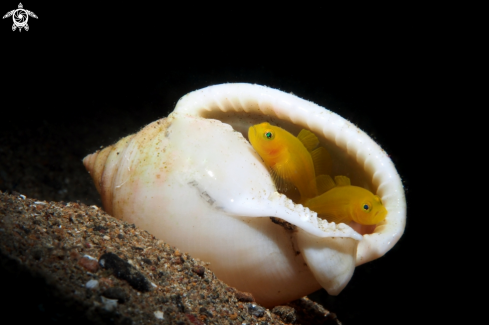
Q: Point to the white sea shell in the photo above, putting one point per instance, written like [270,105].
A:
[191,180]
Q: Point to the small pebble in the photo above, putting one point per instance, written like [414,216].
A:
[199,270]
[89,265]
[256,310]
[92,284]
[244,296]
[159,314]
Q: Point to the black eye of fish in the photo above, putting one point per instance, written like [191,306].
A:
[268,135]
[366,207]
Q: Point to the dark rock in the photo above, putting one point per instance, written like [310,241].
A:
[147,261]
[125,271]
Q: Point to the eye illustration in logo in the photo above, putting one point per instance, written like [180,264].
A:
[20,17]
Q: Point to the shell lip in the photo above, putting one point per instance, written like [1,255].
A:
[256,100]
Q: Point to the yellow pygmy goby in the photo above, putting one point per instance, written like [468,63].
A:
[342,202]
[291,159]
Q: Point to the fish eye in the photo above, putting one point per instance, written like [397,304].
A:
[269,135]
[367,207]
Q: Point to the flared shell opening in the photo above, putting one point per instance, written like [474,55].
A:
[353,152]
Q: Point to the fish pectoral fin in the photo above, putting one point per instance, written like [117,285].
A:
[324,183]
[281,178]
[342,181]
[322,161]
[308,139]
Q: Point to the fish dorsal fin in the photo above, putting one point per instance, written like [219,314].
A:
[342,181]
[322,161]
[324,183]
[308,139]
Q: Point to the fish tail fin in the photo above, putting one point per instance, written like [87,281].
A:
[308,139]
[322,161]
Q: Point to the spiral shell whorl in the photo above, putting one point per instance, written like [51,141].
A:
[103,166]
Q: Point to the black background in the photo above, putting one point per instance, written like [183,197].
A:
[128,65]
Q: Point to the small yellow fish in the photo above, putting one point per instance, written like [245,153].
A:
[342,202]
[288,157]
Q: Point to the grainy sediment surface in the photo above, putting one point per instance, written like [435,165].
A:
[46,247]
[75,263]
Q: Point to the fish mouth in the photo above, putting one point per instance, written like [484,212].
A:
[380,215]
